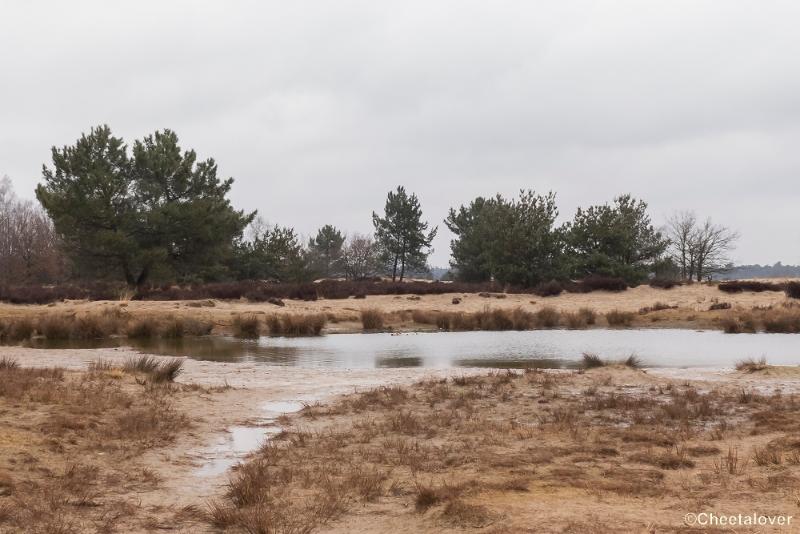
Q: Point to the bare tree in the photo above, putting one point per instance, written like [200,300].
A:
[699,250]
[712,244]
[680,231]
[360,257]
[29,247]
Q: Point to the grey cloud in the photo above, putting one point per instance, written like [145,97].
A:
[318,108]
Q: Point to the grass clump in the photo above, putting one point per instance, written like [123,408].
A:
[751,365]
[158,371]
[297,324]
[142,328]
[619,318]
[7,363]
[246,326]
[142,364]
[744,323]
[372,319]
[167,371]
[580,319]
[592,361]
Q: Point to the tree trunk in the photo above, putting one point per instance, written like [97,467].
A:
[143,276]
[394,269]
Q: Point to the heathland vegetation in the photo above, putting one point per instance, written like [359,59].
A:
[154,219]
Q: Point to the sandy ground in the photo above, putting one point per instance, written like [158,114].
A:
[692,301]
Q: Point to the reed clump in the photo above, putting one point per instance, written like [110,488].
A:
[372,319]
[310,324]
[246,326]
[619,318]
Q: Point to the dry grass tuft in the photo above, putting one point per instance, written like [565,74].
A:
[592,361]
[8,363]
[619,318]
[372,319]
[246,326]
[297,324]
[143,328]
[752,365]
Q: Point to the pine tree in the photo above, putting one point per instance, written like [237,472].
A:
[403,237]
[154,211]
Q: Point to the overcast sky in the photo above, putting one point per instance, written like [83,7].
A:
[317,109]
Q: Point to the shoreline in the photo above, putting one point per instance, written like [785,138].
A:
[684,307]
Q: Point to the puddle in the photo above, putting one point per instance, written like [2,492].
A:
[238,441]
[282,407]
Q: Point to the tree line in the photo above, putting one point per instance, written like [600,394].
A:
[155,213]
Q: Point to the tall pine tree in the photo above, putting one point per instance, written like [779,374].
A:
[155,211]
[402,235]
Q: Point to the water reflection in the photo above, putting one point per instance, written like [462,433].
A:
[539,348]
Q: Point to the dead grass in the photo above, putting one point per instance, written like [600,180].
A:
[751,365]
[372,319]
[452,453]
[296,324]
[619,318]
[70,441]
[246,326]
[108,322]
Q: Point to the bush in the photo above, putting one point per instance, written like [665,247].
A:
[598,283]
[738,286]
[549,289]
[664,283]
[793,290]
[720,306]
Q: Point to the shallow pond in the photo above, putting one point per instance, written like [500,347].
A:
[543,348]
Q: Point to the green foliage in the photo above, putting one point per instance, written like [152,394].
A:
[615,240]
[402,235]
[272,253]
[325,252]
[155,212]
[511,241]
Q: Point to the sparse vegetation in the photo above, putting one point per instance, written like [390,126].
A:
[73,440]
[413,449]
